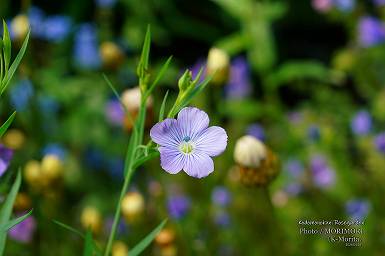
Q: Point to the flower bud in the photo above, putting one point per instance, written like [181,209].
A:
[165,237]
[218,63]
[258,165]
[91,218]
[32,173]
[51,167]
[119,248]
[14,139]
[249,151]
[112,56]
[185,81]
[20,26]
[132,206]
[131,99]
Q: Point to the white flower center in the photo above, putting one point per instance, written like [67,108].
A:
[186,146]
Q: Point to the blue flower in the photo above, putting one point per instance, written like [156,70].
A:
[239,85]
[36,21]
[357,209]
[379,142]
[21,94]
[361,123]
[256,131]
[57,28]
[86,50]
[55,149]
[323,175]
[105,3]
[294,167]
[5,158]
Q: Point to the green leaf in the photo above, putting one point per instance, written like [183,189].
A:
[6,209]
[7,123]
[159,76]
[69,228]
[143,63]
[162,107]
[198,89]
[14,65]
[6,46]
[143,159]
[10,224]
[88,244]
[139,248]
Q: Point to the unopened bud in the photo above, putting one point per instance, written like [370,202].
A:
[20,26]
[185,80]
[218,63]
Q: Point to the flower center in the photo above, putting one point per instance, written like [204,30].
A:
[186,146]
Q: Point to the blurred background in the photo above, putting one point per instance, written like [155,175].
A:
[306,78]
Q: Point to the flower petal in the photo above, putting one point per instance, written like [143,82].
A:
[171,160]
[192,121]
[166,133]
[212,141]
[198,165]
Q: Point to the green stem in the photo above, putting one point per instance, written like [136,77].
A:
[117,212]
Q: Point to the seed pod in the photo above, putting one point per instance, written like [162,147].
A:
[119,248]
[257,164]
[91,218]
[14,139]
[165,237]
[111,54]
[20,26]
[132,206]
[218,65]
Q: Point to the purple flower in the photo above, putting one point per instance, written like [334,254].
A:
[361,123]
[322,5]
[379,2]
[371,31]
[293,188]
[357,209]
[323,175]
[379,142]
[115,112]
[5,158]
[294,167]
[178,206]
[239,85]
[221,196]
[188,143]
[256,131]
[23,232]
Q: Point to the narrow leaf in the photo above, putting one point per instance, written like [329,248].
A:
[7,123]
[69,228]
[6,46]
[10,224]
[15,64]
[139,248]
[6,209]
[198,89]
[146,48]
[162,107]
[88,244]
[159,76]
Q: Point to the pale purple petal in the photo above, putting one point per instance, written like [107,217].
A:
[192,121]
[166,133]
[171,159]
[198,165]
[212,141]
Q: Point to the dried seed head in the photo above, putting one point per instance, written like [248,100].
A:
[249,152]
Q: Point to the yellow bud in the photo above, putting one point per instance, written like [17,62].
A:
[119,248]
[91,218]
[32,173]
[20,26]
[51,167]
[14,139]
[132,206]
[165,237]
[112,55]
[249,151]
[218,63]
